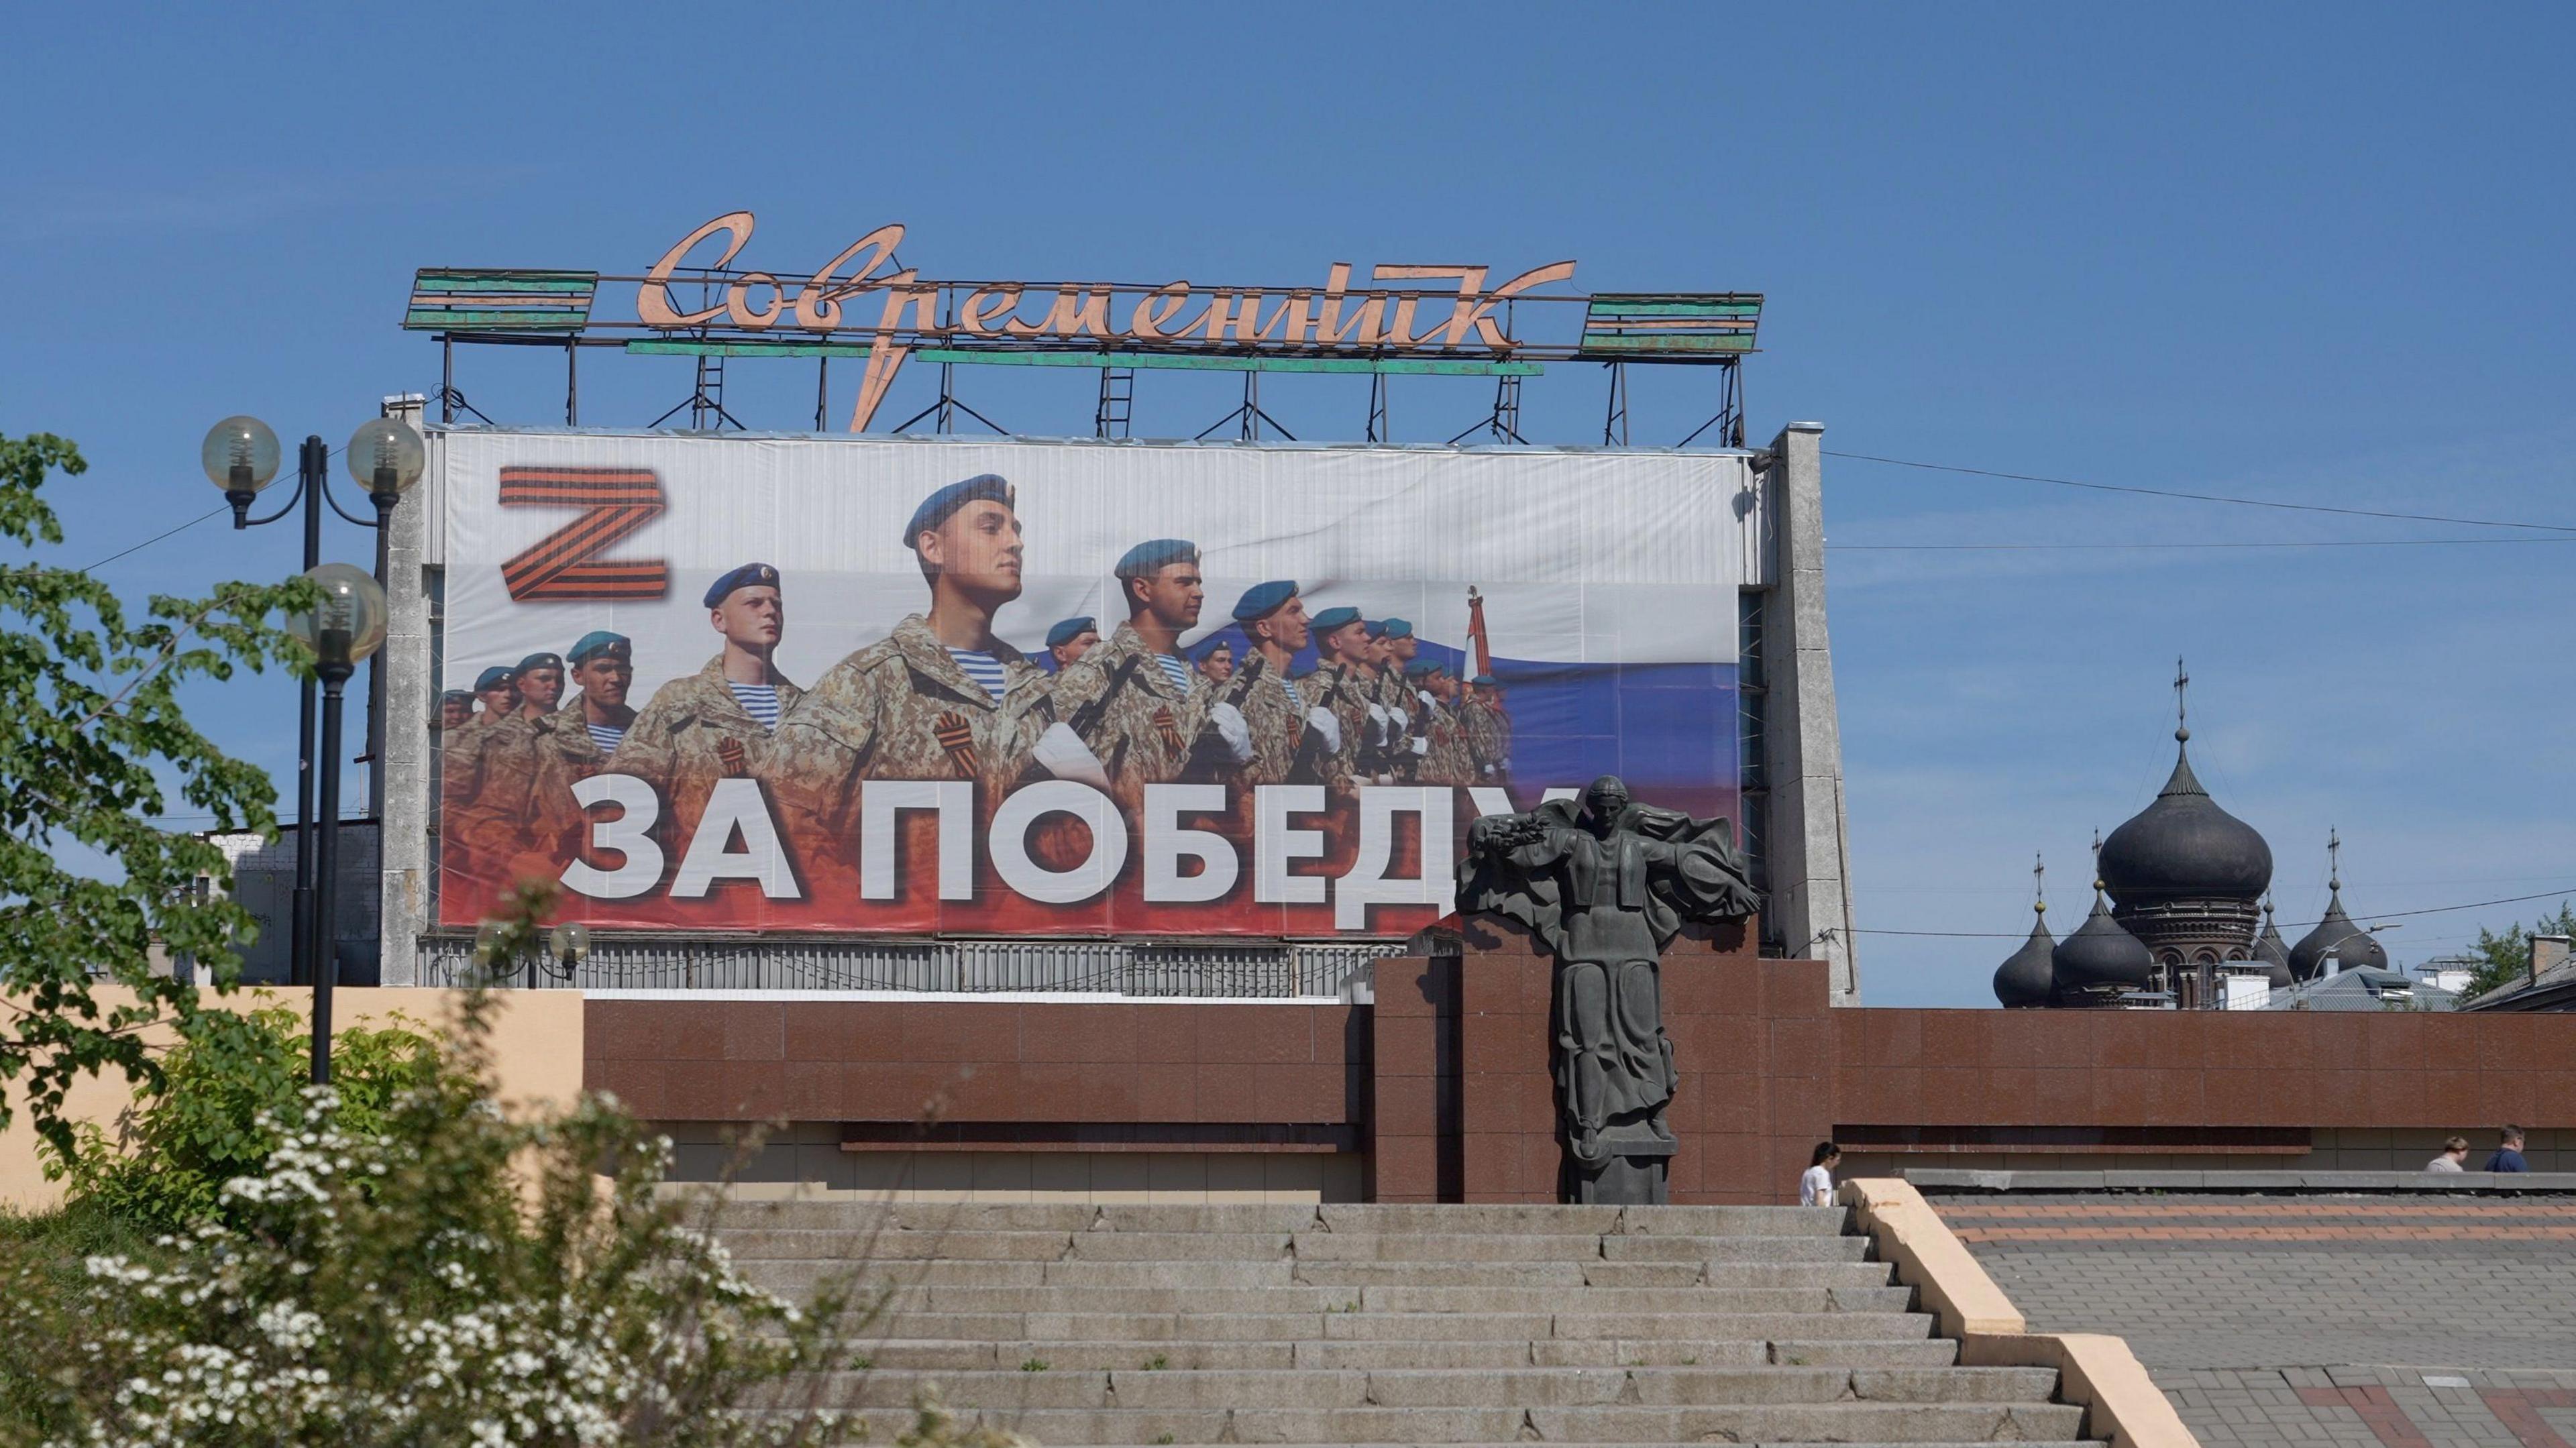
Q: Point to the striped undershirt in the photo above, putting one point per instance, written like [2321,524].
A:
[1175,670]
[760,701]
[1296,700]
[607,737]
[984,669]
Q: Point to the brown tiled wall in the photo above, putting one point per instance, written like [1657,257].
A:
[2312,1069]
[1454,1102]
[974,1061]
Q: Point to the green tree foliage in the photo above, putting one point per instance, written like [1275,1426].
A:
[96,748]
[2508,956]
[459,1277]
[215,1116]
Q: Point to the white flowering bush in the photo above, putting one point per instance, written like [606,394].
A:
[454,1277]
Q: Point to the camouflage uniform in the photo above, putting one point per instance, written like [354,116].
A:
[566,755]
[902,709]
[1122,704]
[1347,691]
[1489,740]
[1451,760]
[491,772]
[1280,752]
[674,745]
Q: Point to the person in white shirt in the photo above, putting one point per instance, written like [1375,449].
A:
[1816,1183]
[2454,1157]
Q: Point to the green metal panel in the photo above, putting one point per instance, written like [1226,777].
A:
[583,283]
[660,347]
[1605,305]
[550,319]
[1669,342]
[1220,362]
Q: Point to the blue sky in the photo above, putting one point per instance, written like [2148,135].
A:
[2313,254]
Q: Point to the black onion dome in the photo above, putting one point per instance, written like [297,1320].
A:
[2028,977]
[2272,951]
[2100,953]
[2337,936]
[2184,847]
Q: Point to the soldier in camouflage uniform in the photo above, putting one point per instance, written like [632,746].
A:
[941,697]
[490,773]
[1343,683]
[1135,702]
[1069,640]
[1446,759]
[541,685]
[722,720]
[1216,663]
[575,741]
[1293,739]
[1407,744]
[1489,731]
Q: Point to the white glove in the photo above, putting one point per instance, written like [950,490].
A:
[1233,731]
[1427,701]
[1489,771]
[1067,757]
[1321,720]
[1422,744]
[1377,735]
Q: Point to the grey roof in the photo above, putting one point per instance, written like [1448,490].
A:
[2027,978]
[2558,978]
[2183,846]
[2270,949]
[2100,953]
[2348,942]
[2360,989]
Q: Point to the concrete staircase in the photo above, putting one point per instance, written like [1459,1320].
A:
[1392,1324]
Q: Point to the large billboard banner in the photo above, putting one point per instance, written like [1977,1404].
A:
[1057,688]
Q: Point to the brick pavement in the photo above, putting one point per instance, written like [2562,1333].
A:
[2311,1322]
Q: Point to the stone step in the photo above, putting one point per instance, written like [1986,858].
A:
[759,1243]
[1039,1384]
[1405,1326]
[1736,1249]
[1609,1352]
[797,1279]
[1842,1422]
[1499,1219]
[1288,1272]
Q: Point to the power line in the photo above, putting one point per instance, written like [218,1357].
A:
[217,511]
[2035,547]
[2559,894]
[2200,497]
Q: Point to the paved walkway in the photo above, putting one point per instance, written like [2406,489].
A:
[2378,1323]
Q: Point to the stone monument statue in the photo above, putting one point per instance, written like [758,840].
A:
[1607,891]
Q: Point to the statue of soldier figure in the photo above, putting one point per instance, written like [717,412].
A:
[1607,891]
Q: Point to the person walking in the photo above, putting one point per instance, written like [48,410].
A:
[1816,1183]
[2454,1157]
[2508,1152]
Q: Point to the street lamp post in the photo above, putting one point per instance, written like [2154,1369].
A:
[347,626]
[240,455]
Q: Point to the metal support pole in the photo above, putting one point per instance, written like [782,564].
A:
[376,666]
[822,389]
[446,379]
[572,386]
[313,464]
[326,963]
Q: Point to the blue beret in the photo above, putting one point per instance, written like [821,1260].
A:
[1377,628]
[1397,628]
[1068,630]
[940,506]
[1263,599]
[539,661]
[1146,558]
[1421,668]
[750,575]
[459,696]
[1333,618]
[600,641]
[1221,646]
[499,676]
[1482,681]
